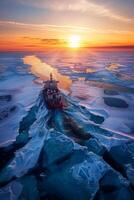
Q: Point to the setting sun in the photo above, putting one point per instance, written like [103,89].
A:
[74,41]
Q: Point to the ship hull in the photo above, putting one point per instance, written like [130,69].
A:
[53,103]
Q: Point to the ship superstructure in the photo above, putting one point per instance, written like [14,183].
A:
[52,95]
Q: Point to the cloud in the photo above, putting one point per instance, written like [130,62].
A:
[60,28]
[64,28]
[78,5]
[45,41]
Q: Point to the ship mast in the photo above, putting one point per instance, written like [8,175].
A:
[51,77]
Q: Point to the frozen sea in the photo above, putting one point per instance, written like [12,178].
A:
[72,153]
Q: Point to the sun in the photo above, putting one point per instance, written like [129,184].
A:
[74,41]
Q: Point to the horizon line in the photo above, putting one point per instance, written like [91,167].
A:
[86,47]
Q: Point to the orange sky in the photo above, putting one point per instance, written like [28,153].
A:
[31,43]
[35,25]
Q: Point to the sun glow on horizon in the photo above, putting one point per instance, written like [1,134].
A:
[74,41]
